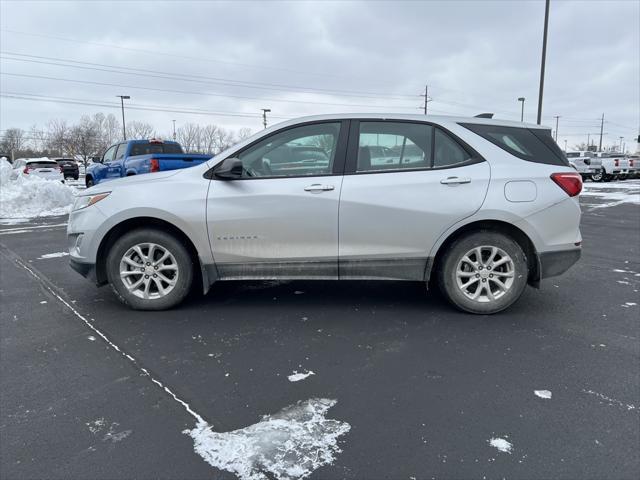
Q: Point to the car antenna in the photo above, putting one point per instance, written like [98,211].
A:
[484,115]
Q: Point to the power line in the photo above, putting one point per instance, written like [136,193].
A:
[167,54]
[131,106]
[225,95]
[195,78]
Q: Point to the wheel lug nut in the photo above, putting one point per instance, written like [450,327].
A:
[148,264]
[488,268]
[484,280]
[480,267]
[147,276]
[154,275]
[156,267]
[477,275]
[491,276]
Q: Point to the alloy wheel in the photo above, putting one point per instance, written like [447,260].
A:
[149,271]
[485,274]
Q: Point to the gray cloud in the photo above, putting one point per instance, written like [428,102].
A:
[476,56]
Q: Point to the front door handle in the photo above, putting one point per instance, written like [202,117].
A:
[317,188]
[454,180]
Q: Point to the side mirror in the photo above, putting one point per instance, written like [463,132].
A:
[229,169]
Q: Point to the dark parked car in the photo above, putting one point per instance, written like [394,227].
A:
[69,167]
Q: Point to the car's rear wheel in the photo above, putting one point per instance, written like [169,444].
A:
[598,176]
[149,270]
[483,272]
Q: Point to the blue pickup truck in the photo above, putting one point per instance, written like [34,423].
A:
[135,157]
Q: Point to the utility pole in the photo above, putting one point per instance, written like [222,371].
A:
[565,146]
[544,57]
[621,144]
[521,99]
[426,98]
[264,116]
[556,117]
[122,99]
[601,127]
[174,130]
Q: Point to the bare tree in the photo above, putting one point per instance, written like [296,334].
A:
[83,139]
[57,136]
[209,139]
[243,134]
[13,141]
[140,130]
[189,135]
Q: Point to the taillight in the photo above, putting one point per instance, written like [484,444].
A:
[616,162]
[26,170]
[570,182]
[155,165]
[631,163]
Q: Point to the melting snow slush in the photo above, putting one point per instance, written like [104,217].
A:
[289,444]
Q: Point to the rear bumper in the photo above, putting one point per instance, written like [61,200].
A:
[553,264]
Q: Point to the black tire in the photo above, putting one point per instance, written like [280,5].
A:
[184,274]
[598,177]
[89,182]
[448,279]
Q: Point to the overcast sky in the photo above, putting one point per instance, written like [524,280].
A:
[219,62]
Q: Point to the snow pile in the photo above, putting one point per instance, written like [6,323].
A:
[546,394]
[290,444]
[53,255]
[28,197]
[296,377]
[501,444]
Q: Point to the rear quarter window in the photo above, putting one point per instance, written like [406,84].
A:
[532,145]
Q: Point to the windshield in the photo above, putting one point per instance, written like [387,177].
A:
[42,164]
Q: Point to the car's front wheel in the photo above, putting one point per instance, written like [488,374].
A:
[149,269]
[89,182]
[483,272]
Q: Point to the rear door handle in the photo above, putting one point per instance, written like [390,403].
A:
[454,180]
[317,188]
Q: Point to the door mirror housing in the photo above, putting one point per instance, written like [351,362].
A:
[229,169]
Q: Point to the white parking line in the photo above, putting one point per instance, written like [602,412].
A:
[130,358]
[8,231]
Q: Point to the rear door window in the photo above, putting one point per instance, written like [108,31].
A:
[533,145]
[384,146]
[447,151]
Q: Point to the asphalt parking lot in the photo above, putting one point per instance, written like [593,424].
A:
[423,388]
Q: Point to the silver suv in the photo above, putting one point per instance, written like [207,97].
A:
[480,207]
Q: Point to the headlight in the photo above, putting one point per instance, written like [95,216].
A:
[85,201]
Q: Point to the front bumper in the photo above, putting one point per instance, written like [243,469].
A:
[556,263]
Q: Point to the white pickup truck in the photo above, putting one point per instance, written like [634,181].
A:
[614,166]
[586,164]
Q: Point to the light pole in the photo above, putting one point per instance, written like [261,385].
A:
[521,100]
[122,99]
[174,129]
[565,146]
[544,57]
[621,144]
[557,117]
[264,116]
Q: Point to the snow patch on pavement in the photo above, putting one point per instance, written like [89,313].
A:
[296,377]
[29,197]
[290,444]
[542,393]
[501,444]
[614,193]
[53,255]
[610,401]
